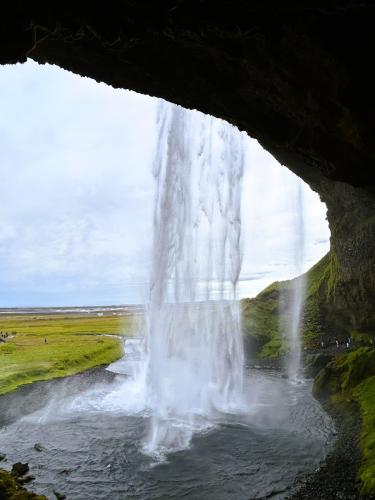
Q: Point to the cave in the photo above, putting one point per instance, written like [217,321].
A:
[295,76]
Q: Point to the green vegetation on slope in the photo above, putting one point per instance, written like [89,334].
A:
[349,376]
[12,489]
[49,346]
[265,317]
[260,322]
[365,395]
[352,376]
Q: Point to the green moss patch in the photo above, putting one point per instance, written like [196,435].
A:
[352,376]
[365,394]
[11,488]
[260,322]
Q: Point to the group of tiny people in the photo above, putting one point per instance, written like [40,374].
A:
[4,336]
[348,342]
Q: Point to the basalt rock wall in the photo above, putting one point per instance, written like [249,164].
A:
[297,76]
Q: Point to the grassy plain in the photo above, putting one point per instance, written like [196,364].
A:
[41,347]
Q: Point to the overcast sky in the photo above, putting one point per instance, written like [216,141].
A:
[76,195]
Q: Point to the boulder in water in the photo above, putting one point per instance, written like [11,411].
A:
[19,469]
[59,496]
[26,479]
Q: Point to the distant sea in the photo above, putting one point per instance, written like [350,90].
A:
[132,297]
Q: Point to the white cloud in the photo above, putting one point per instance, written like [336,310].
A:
[76,194]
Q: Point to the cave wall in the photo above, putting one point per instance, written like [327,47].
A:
[351,214]
[297,76]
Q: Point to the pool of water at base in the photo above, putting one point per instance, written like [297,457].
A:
[89,450]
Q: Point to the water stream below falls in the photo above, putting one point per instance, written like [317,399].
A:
[91,435]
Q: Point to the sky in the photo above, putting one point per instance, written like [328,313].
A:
[76,195]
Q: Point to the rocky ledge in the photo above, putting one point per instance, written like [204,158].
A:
[12,483]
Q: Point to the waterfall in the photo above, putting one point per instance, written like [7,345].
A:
[194,352]
[298,288]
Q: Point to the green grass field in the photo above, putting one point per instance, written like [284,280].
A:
[74,343]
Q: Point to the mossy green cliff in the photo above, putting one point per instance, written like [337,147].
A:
[265,317]
[351,376]
[11,488]
[327,315]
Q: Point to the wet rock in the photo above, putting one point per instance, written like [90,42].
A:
[316,362]
[2,456]
[26,479]
[19,469]
[336,478]
[59,496]
[66,471]
[38,447]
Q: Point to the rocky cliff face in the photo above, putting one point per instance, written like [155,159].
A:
[351,214]
[337,305]
[295,75]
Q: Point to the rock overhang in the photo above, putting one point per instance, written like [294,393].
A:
[294,75]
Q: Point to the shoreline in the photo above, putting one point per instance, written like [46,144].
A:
[336,477]
[29,397]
